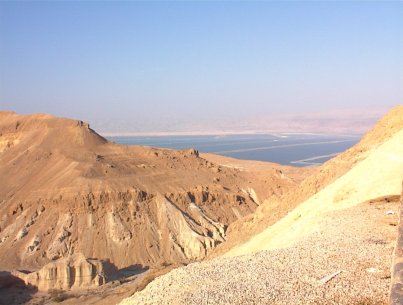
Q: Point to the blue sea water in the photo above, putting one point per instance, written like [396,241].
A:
[286,149]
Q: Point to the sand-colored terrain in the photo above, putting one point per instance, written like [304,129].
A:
[275,208]
[269,234]
[332,241]
[66,190]
[378,175]
[355,245]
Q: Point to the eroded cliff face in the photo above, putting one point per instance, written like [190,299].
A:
[73,272]
[131,227]
[66,190]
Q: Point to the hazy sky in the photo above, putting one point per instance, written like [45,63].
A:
[163,63]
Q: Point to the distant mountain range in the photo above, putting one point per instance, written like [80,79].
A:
[351,121]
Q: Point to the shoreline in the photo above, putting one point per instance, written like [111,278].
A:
[279,134]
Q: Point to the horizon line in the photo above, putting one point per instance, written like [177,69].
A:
[223,133]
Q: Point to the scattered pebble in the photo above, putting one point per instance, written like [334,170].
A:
[290,275]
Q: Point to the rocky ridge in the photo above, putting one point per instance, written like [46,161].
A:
[66,190]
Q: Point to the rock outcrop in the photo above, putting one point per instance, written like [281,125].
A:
[65,190]
[74,272]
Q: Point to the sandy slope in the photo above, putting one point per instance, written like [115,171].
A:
[380,174]
[357,241]
[276,208]
[292,240]
[336,220]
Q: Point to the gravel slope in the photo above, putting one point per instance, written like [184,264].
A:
[357,241]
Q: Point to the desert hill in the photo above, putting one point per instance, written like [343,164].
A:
[65,190]
[275,208]
[371,169]
[332,245]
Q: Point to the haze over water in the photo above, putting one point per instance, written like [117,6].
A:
[287,149]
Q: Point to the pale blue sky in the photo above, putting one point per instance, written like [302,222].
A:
[170,62]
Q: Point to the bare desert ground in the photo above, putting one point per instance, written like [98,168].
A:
[330,242]
[159,226]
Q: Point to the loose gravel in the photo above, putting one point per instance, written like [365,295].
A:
[358,242]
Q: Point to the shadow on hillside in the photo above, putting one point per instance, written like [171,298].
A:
[112,273]
[13,290]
